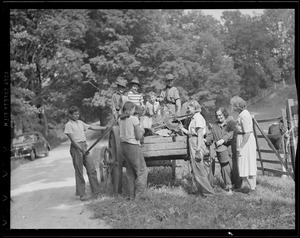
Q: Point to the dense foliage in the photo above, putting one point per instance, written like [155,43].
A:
[62,57]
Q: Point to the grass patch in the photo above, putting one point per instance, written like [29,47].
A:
[171,206]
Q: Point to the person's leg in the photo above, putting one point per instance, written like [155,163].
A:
[130,172]
[199,172]
[91,172]
[252,182]
[78,167]
[226,169]
[142,174]
[236,179]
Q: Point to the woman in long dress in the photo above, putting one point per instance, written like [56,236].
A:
[246,144]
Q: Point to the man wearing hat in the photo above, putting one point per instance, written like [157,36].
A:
[170,97]
[118,97]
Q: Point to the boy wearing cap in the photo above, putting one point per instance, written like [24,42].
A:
[170,96]
[118,98]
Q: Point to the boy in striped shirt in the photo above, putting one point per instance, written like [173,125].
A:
[136,97]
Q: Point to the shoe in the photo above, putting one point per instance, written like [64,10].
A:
[143,199]
[84,198]
[242,190]
[96,195]
[252,192]
[229,192]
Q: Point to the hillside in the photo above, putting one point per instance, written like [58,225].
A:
[270,106]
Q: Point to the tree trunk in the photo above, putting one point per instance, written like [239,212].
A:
[18,128]
[45,126]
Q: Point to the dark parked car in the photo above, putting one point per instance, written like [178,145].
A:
[29,145]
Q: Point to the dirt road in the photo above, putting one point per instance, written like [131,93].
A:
[43,194]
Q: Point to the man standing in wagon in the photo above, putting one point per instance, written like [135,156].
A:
[170,96]
[118,99]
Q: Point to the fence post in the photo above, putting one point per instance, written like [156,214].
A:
[291,125]
[257,145]
[284,141]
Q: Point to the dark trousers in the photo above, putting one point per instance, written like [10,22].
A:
[78,162]
[236,179]
[136,169]
[226,168]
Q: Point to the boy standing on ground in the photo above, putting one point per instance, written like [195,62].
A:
[75,130]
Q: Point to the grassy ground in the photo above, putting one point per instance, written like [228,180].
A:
[170,206]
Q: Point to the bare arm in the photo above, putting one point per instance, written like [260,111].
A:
[185,131]
[97,128]
[178,104]
[139,132]
[200,137]
[245,139]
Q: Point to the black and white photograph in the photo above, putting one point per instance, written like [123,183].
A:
[151,119]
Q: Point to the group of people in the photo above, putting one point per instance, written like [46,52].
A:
[233,141]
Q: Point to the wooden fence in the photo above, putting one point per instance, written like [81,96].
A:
[286,156]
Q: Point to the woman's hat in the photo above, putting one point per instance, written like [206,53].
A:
[135,81]
[169,77]
[121,81]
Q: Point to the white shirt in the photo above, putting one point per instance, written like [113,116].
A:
[127,130]
[77,128]
[197,121]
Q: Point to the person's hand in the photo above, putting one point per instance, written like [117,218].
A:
[238,150]
[180,126]
[198,156]
[219,142]
[142,129]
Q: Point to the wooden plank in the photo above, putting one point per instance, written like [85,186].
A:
[271,161]
[284,140]
[164,146]
[290,122]
[294,110]
[152,163]
[257,146]
[156,153]
[270,151]
[267,120]
[161,139]
[274,171]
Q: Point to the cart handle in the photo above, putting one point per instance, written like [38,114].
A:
[104,134]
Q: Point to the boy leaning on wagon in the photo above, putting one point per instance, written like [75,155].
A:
[170,96]
[118,98]
[75,130]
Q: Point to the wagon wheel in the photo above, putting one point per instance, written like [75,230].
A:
[105,168]
[103,162]
[115,159]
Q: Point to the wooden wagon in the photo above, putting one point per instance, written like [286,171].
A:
[157,150]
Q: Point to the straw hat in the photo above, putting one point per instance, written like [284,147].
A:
[135,81]
[169,77]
